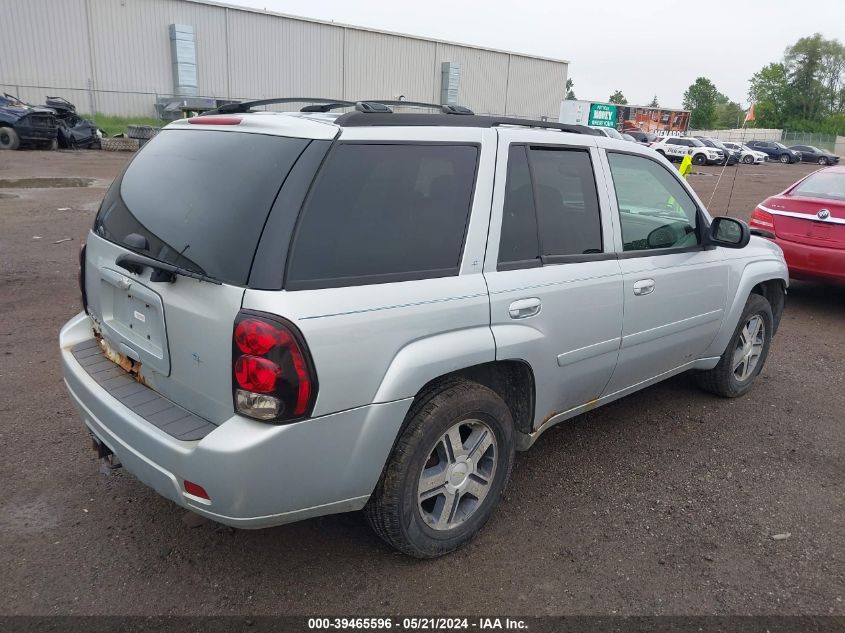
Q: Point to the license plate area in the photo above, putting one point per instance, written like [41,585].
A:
[132,318]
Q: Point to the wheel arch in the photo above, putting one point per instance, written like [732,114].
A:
[766,277]
[512,380]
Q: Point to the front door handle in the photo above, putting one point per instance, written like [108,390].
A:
[524,308]
[644,287]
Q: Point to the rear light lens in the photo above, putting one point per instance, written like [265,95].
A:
[257,374]
[762,220]
[273,377]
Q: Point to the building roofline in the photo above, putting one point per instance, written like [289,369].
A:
[224,5]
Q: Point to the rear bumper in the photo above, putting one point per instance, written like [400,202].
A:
[813,262]
[257,475]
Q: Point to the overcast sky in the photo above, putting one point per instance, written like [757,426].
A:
[641,47]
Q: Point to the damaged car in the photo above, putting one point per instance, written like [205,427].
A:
[24,125]
[74,132]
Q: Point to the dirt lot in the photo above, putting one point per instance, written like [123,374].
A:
[663,503]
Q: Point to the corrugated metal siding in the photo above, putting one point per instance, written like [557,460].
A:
[484,77]
[380,66]
[44,42]
[244,54]
[535,87]
[132,45]
[271,56]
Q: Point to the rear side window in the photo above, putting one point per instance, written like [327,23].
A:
[199,199]
[384,212]
[551,210]
[567,203]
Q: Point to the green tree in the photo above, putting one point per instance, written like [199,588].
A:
[618,98]
[728,113]
[769,92]
[700,99]
[570,94]
[653,103]
[805,68]
[808,85]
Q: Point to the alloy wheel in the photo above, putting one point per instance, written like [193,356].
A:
[749,347]
[458,474]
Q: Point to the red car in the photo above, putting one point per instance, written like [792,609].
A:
[808,222]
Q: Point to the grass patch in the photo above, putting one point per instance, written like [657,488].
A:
[112,125]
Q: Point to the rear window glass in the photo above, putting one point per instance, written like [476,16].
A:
[199,198]
[383,213]
[824,184]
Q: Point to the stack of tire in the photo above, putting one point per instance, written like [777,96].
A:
[119,144]
[142,133]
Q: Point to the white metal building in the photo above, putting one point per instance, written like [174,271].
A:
[118,56]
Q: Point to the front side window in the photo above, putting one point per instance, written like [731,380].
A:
[655,211]
[382,213]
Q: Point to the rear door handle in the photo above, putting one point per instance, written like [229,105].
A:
[644,287]
[524,308]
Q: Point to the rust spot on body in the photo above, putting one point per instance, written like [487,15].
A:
[124,362]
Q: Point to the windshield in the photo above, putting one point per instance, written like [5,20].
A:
[198,199]
[612,133]
[696,143]
[780,145]
[822,184]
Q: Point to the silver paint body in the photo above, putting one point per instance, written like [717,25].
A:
[591,332]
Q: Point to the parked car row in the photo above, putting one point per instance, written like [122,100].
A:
[707,150]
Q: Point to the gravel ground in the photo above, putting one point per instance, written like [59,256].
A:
[666,502]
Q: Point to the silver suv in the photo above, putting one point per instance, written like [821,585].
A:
[289,315]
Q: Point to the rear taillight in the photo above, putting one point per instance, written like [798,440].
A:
[81,278]
[762,220]
[272,374]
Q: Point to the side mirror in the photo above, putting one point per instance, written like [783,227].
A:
[728,233]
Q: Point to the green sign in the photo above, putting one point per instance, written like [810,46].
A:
[602,115]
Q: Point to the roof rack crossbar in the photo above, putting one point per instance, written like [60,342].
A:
[245,106]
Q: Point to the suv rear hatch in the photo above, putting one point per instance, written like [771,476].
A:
[194,200]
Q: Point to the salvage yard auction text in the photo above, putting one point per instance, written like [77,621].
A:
[417,624]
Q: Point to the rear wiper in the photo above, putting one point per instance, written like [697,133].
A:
[135,263]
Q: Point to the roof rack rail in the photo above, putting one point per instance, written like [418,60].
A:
[319,104]
[358,119]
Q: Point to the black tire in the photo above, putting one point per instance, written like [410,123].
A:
[748,160]
[394,511]
[699,159]
[9,138]
[722,380]
[785,159]
[823,161]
